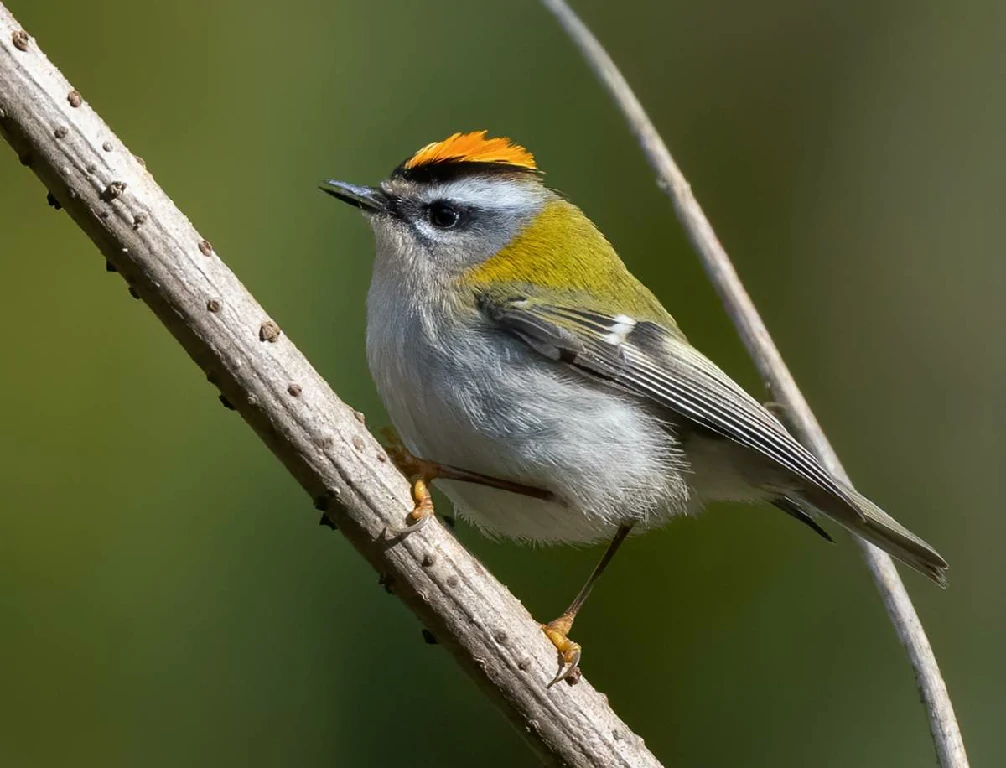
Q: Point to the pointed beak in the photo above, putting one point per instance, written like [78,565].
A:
[367,199]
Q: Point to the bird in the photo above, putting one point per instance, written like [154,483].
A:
[547,392]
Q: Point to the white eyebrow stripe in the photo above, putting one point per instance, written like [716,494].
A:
[495,192]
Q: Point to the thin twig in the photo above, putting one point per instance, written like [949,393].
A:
[322,441]
[943,723]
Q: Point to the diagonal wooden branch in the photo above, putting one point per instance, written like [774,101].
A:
[321,440]
[942,720]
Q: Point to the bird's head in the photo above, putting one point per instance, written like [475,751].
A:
[471,213]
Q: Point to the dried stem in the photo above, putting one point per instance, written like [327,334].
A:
[942,720]
[321,440]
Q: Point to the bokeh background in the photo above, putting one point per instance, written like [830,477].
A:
[166,595]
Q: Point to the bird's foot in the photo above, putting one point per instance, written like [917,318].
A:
[557,632]
[420,514]
[421,473]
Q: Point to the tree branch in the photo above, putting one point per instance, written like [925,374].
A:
[942,720]
[322,442]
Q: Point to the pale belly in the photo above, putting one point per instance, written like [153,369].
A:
[502,410]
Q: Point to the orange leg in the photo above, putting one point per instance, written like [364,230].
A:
[423,472]
[557,631]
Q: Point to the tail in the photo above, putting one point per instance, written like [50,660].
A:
[868,521]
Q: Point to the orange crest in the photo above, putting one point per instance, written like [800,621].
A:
[472,147]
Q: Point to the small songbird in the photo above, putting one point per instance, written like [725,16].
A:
[547,390]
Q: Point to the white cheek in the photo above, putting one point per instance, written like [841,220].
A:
[427,230]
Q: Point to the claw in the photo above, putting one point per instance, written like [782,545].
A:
[421,512]
[410,527]
[569,652]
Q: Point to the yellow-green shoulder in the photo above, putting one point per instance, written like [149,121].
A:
[561,252]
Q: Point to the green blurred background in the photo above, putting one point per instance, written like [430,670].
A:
[166,595]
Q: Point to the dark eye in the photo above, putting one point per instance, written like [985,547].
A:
[443,215]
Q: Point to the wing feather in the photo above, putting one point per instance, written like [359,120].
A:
[652,362]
